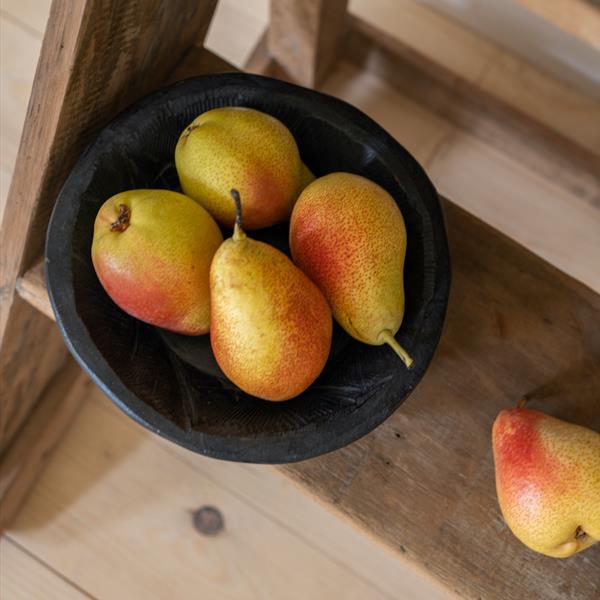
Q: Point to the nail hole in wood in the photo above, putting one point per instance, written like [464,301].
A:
[208,520]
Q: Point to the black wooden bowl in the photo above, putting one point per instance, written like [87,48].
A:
[170,383]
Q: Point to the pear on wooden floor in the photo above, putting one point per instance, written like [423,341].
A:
[348,235]
[270,325]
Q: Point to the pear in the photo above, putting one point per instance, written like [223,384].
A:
[243,148]
[271,326]
[348,235]
[152,251]
[547,481]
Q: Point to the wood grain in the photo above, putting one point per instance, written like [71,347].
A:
[571,113]
[534,185]
[29,358]
[557,389]
[263,487]
[535,210]
[25,459]
[429,33]
[564,151]
[113,514]
[235,27]
[515,325]
[24,577]
[304,37]
[76,89]
[32,288]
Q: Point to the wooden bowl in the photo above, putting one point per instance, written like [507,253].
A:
[171,384]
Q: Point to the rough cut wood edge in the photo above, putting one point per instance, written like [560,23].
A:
[29,453]
[305,36]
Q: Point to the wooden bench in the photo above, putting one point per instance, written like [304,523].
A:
[422,483]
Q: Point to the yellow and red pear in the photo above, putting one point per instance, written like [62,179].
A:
[348,235]
[548,481]
[152,251]
[271,326]
[246,149]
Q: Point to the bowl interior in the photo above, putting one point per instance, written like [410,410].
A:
[171,383]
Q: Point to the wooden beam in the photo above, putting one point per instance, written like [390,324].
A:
[96,58]
[423,482]
[27,456]
[304,37]
[36,355]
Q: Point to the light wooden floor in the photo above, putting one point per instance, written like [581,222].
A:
[111,516]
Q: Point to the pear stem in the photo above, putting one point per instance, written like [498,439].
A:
[238,232]
[390,340]
[122,222]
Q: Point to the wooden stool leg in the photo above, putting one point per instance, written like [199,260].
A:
[96,58]
[304,36]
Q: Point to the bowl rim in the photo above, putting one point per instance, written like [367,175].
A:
[275,449]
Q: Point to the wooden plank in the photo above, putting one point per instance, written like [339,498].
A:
[235,28]
[561,227]
[304,37]
[573,114]
[515,326]
[457,49]
[27,456]
[430,464]
[24,577]
[550,150]
[32,288]
[471,57]
[264,488]
[76,89]
[28,360]
[580,18]
[113,514]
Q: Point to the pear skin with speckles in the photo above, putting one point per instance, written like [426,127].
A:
[270,325]
[246,149]
[547,481]
[348,235]
[152,251]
